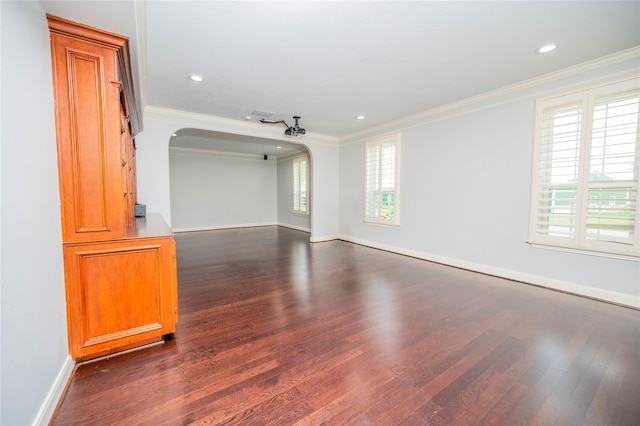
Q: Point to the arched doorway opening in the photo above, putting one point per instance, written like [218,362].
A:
[223,180]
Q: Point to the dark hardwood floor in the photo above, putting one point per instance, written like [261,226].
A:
[274,330]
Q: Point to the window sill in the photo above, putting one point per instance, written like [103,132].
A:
[387,225]
[610,255]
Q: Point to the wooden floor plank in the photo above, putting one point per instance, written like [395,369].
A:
[275,330]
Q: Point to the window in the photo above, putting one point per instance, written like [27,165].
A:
[381,180]
[300,192]
[585,170]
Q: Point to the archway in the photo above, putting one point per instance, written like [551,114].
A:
[224,180]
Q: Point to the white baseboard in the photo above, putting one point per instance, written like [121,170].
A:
[565,286]
[50,403]
[296,227]
[551,283]
[243,225]
[326,238]
[230,226]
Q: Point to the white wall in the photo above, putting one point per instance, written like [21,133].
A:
[33,315]
[324,191]
[456,164]
[212,190]
[153,163]
[286,216]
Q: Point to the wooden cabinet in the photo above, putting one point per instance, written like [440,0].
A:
[120,271]
[121,293]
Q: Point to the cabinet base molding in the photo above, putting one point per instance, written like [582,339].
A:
[120,350]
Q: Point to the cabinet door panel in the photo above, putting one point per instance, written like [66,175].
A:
[88,140]
[88,153]
[120,304]
[118,294]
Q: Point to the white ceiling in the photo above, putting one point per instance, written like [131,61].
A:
[331,61]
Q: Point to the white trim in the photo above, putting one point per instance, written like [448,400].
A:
[293,154]
[209,122]
[296,227]
[565,286]
[604,61]
[140,10]
[609,254]
[229,226]
[438,115]
[50,403]
[324,238]
[244,225]
[200,152]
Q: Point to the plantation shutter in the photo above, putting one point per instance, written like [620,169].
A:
[300,193]
[586,166]
[613,169]
[372,206]
[303,186]
[381,194]
[558,170]
[296,185]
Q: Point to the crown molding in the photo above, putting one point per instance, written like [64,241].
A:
[140,10]
[625,55]
[247,128]
[227,125]
[199,152]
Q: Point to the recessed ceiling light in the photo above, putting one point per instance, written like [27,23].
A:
[196,77]
[278,147]
[360,117]
[547,48]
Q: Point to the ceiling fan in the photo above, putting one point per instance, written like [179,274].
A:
[294,130]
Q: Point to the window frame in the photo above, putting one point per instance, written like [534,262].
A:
[580,239]
[296,185]
[379,142]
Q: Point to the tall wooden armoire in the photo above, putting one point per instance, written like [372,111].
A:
[120,271]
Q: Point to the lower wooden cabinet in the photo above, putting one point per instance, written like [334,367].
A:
[120,294]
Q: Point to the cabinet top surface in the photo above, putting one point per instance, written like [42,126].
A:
[150,226]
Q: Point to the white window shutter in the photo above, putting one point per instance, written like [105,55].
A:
[381,180]
[557,169]
[613,169]
[585,170]
[300,186]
